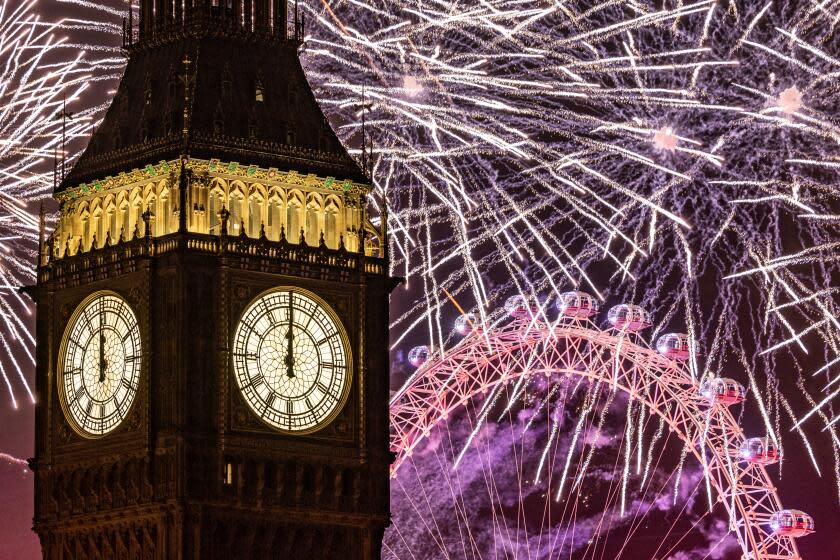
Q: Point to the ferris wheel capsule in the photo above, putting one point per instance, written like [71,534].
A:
[418,356]
[628,317]
[723,390]
[578,305]
[520,306]
[674,345]
[760,450]
[465,324]
[792,523]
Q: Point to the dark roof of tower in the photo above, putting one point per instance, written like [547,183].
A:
[251,101]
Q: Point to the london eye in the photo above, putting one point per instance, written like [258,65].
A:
[482,424]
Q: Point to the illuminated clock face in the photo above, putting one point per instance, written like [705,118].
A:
[290,361]
[99,367]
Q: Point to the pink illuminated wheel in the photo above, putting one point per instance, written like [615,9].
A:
[492,372]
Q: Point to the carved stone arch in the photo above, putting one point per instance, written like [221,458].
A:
[314,218]
[135,195]
[295,196]
[315,199]
[274,214]
[95,223]
[216,198]
[149,202]
[81,225]
[237,205]
[111,218]
[133,211]
[237,186]
[149,194]
[165,208]
[333,220]
[295,201]
[162,188]
[219,185]
[257,207]
[124,212]
[257,189]
[277,193]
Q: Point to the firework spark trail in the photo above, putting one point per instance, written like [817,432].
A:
[12,460]
[743,160]
[538,152]
[40,72]
[780,174]
[539,144]
[535,138]
[434,118]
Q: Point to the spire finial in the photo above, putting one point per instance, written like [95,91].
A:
[224,214]
[147,219]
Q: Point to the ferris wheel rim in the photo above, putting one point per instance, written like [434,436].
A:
[746,522]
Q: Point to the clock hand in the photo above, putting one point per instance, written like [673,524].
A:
[290,338]
[102,363]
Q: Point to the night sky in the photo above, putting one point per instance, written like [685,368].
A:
[799,486]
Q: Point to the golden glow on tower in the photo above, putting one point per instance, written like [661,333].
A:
[245,201]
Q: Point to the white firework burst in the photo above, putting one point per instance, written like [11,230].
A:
[42,73]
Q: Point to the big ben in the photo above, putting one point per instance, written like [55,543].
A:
[212,311]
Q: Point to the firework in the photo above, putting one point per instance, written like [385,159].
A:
[681,155]
[496,129]
[765,235]
[43,77]
[789,176]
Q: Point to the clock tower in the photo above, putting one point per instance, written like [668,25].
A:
[212,311]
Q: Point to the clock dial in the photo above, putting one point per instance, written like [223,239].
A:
[290,360]
[100,363]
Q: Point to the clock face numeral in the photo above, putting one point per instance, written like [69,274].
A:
[100,364]
[291,361]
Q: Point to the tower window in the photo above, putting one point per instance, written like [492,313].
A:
[227,477]
[259,92]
